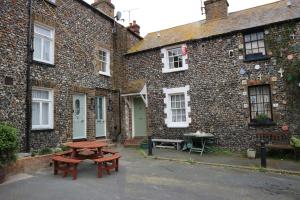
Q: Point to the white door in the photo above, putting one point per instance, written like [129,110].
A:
[100,117]
[79,116]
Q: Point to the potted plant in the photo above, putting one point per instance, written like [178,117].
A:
[144,144]
[251,153]
[9,145]
[262,119]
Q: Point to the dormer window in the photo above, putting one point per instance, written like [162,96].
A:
[175,59]
[254,46]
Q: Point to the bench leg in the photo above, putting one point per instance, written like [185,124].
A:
[107,168]
[74,172]
[55,168]
[66,170]
[99,169]
[117,165]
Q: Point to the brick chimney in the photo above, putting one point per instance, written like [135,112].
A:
[105,6]
[134,27]
[216,9]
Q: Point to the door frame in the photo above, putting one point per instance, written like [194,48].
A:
[85,117]
[104,118]
[132,118]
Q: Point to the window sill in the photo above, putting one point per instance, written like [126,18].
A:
[51,3]
[167,70]
[44,64]
[42,130]
[104,74]
[256,59]
[183,125]
[262,124]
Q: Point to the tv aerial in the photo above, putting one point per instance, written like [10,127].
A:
[129,13]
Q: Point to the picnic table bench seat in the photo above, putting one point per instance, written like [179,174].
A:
[107,163]
[66,165]
[64,153]
[176,142]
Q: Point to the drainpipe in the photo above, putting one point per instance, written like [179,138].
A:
[28,79]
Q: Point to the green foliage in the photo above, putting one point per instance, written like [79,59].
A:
[261,117]
[64,148]
[45,151]
[9,144]
[219,150]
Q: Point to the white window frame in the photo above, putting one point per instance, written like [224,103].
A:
[107,73]
[168,111]
[165,59]
[51,109]
[52,42]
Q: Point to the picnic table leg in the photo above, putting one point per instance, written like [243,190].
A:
[55,167]
[99,169]
[74,153]
[203,146]
[178,146]
[117,165]
[74,172]
[66,170]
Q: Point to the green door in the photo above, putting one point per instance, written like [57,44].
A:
[139,115]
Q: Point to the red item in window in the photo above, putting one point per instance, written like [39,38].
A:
[184,50]
[285,128]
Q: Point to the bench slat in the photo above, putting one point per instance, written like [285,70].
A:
[66,160]
[107,158]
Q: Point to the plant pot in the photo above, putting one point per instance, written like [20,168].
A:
[251,153]
[144,145]
[2,175]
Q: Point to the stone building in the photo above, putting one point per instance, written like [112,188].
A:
[69,71]
[229,75]
[73,73]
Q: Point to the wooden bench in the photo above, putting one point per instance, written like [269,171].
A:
[107,163]
[64,153]
[66,165]
[275,140]
[109,151]
[176,143]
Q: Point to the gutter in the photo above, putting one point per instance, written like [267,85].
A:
[28,79]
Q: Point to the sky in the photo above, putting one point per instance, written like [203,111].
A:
[155,15]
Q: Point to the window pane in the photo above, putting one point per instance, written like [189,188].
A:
[46,50]
[247,38]
[45,113]
[260,101]
[261,43]
[35,113]
[248,46]
[255,51]
[263,51]
[40,94]
[254,45]
[253,36]
[37,46]
[100,105]
[260,35]
[42,30]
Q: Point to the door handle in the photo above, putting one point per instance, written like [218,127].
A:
[82,121]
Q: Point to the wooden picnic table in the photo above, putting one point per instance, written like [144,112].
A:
[203,137]
[89,145]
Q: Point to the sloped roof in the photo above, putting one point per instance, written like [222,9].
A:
[133,87]
[241,20]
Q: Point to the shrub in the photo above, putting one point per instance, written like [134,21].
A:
[45,151]
[261,117]
[9,144]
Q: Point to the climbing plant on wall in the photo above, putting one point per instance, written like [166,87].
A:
[286,51]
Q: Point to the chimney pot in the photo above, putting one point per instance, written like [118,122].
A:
[134,27]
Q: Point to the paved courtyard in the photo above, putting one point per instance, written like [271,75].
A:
[140,178]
